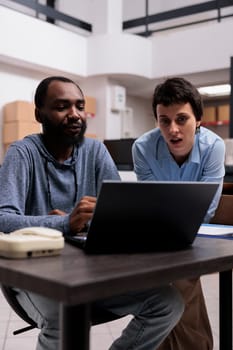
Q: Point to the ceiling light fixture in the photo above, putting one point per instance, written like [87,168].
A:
[215,90]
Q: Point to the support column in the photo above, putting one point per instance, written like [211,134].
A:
[107,23]
[107,16]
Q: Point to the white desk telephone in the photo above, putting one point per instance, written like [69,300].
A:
[31,242]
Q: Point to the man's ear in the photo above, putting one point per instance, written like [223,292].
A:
[38,115]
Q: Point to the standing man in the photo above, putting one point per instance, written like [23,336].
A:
[180,149]
[52,180]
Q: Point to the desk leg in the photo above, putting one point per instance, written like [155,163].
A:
[225,310]
[75,327]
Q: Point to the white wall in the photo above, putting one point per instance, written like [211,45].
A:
[138,8]
[119,54]
[41,45]
[194,49]
[143,119]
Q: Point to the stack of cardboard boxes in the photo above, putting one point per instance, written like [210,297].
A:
[216,115]
[18,121]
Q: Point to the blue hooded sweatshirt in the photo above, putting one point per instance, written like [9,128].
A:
[32,182]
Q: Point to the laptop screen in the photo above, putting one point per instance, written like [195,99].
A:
[148,216]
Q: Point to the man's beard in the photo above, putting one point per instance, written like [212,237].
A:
[57,132]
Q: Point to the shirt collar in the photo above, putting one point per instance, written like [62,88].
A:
[163,151]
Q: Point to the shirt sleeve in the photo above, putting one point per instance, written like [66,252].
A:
[214,171]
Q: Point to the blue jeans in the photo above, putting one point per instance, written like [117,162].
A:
[155,313]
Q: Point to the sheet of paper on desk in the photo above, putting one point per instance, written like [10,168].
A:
[216,230]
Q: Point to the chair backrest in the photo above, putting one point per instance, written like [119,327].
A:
[224,211]
[98,315]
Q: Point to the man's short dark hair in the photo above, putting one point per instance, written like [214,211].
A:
[178,91]
[42,88]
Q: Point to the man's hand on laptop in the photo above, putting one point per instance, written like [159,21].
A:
[82,213]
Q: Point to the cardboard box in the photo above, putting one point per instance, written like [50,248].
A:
[224,112]
[19,111]
[209,114]
[90,106]
[13,131]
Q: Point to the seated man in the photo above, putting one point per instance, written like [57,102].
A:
[180,149]
[52,179]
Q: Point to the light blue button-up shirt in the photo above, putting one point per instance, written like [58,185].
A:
[153,161]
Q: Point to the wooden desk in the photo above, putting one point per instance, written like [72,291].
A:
[75,280]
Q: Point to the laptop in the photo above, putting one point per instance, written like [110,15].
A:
[146,216]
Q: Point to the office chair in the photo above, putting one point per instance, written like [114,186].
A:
[98,316]
[224,212]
